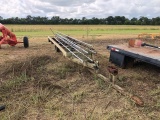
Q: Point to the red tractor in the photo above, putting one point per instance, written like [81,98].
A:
[10,38]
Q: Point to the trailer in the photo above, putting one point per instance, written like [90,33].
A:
[124,56]
[83,53]
[74,49]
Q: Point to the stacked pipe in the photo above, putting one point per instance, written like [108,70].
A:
[81,50]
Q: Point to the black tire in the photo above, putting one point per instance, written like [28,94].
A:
[26,42]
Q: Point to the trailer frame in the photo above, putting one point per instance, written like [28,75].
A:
[72,55]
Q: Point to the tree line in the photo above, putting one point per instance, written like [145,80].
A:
[55,20]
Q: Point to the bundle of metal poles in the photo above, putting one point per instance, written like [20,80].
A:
[79,49]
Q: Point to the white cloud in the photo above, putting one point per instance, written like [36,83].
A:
[79,8]
[66,3]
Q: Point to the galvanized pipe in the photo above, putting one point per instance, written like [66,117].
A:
[78,50]
[76,40]
[80,47]
[85,45]
[69,50]
[73,44]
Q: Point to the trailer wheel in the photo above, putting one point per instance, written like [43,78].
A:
[26,42]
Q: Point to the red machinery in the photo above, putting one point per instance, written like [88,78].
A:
[10,38]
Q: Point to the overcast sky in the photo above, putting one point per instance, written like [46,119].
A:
[80,8]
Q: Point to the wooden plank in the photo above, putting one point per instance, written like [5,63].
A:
[86,64]
[65,53]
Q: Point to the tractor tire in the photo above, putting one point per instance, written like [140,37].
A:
[26,42]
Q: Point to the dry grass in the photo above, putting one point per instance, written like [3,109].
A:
[51,87]
[37,83]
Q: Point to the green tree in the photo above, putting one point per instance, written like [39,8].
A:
[119,20]
[144,20]
[110,20]
[133,21]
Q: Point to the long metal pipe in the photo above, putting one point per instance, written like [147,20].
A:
[82,49]
[73,44]
[77,50]
[69,50]
[76,40]
[87,46]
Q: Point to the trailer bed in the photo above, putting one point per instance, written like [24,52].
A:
[146,54]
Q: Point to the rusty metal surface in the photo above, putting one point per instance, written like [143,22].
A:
[113,70]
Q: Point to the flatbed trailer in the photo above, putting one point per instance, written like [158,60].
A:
[74,49]
[124,56]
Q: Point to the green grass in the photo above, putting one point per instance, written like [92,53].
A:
[81,33]
[34,34]
[51,87]
[79,30]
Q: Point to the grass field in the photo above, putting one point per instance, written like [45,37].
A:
[39,84]
[81,30]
